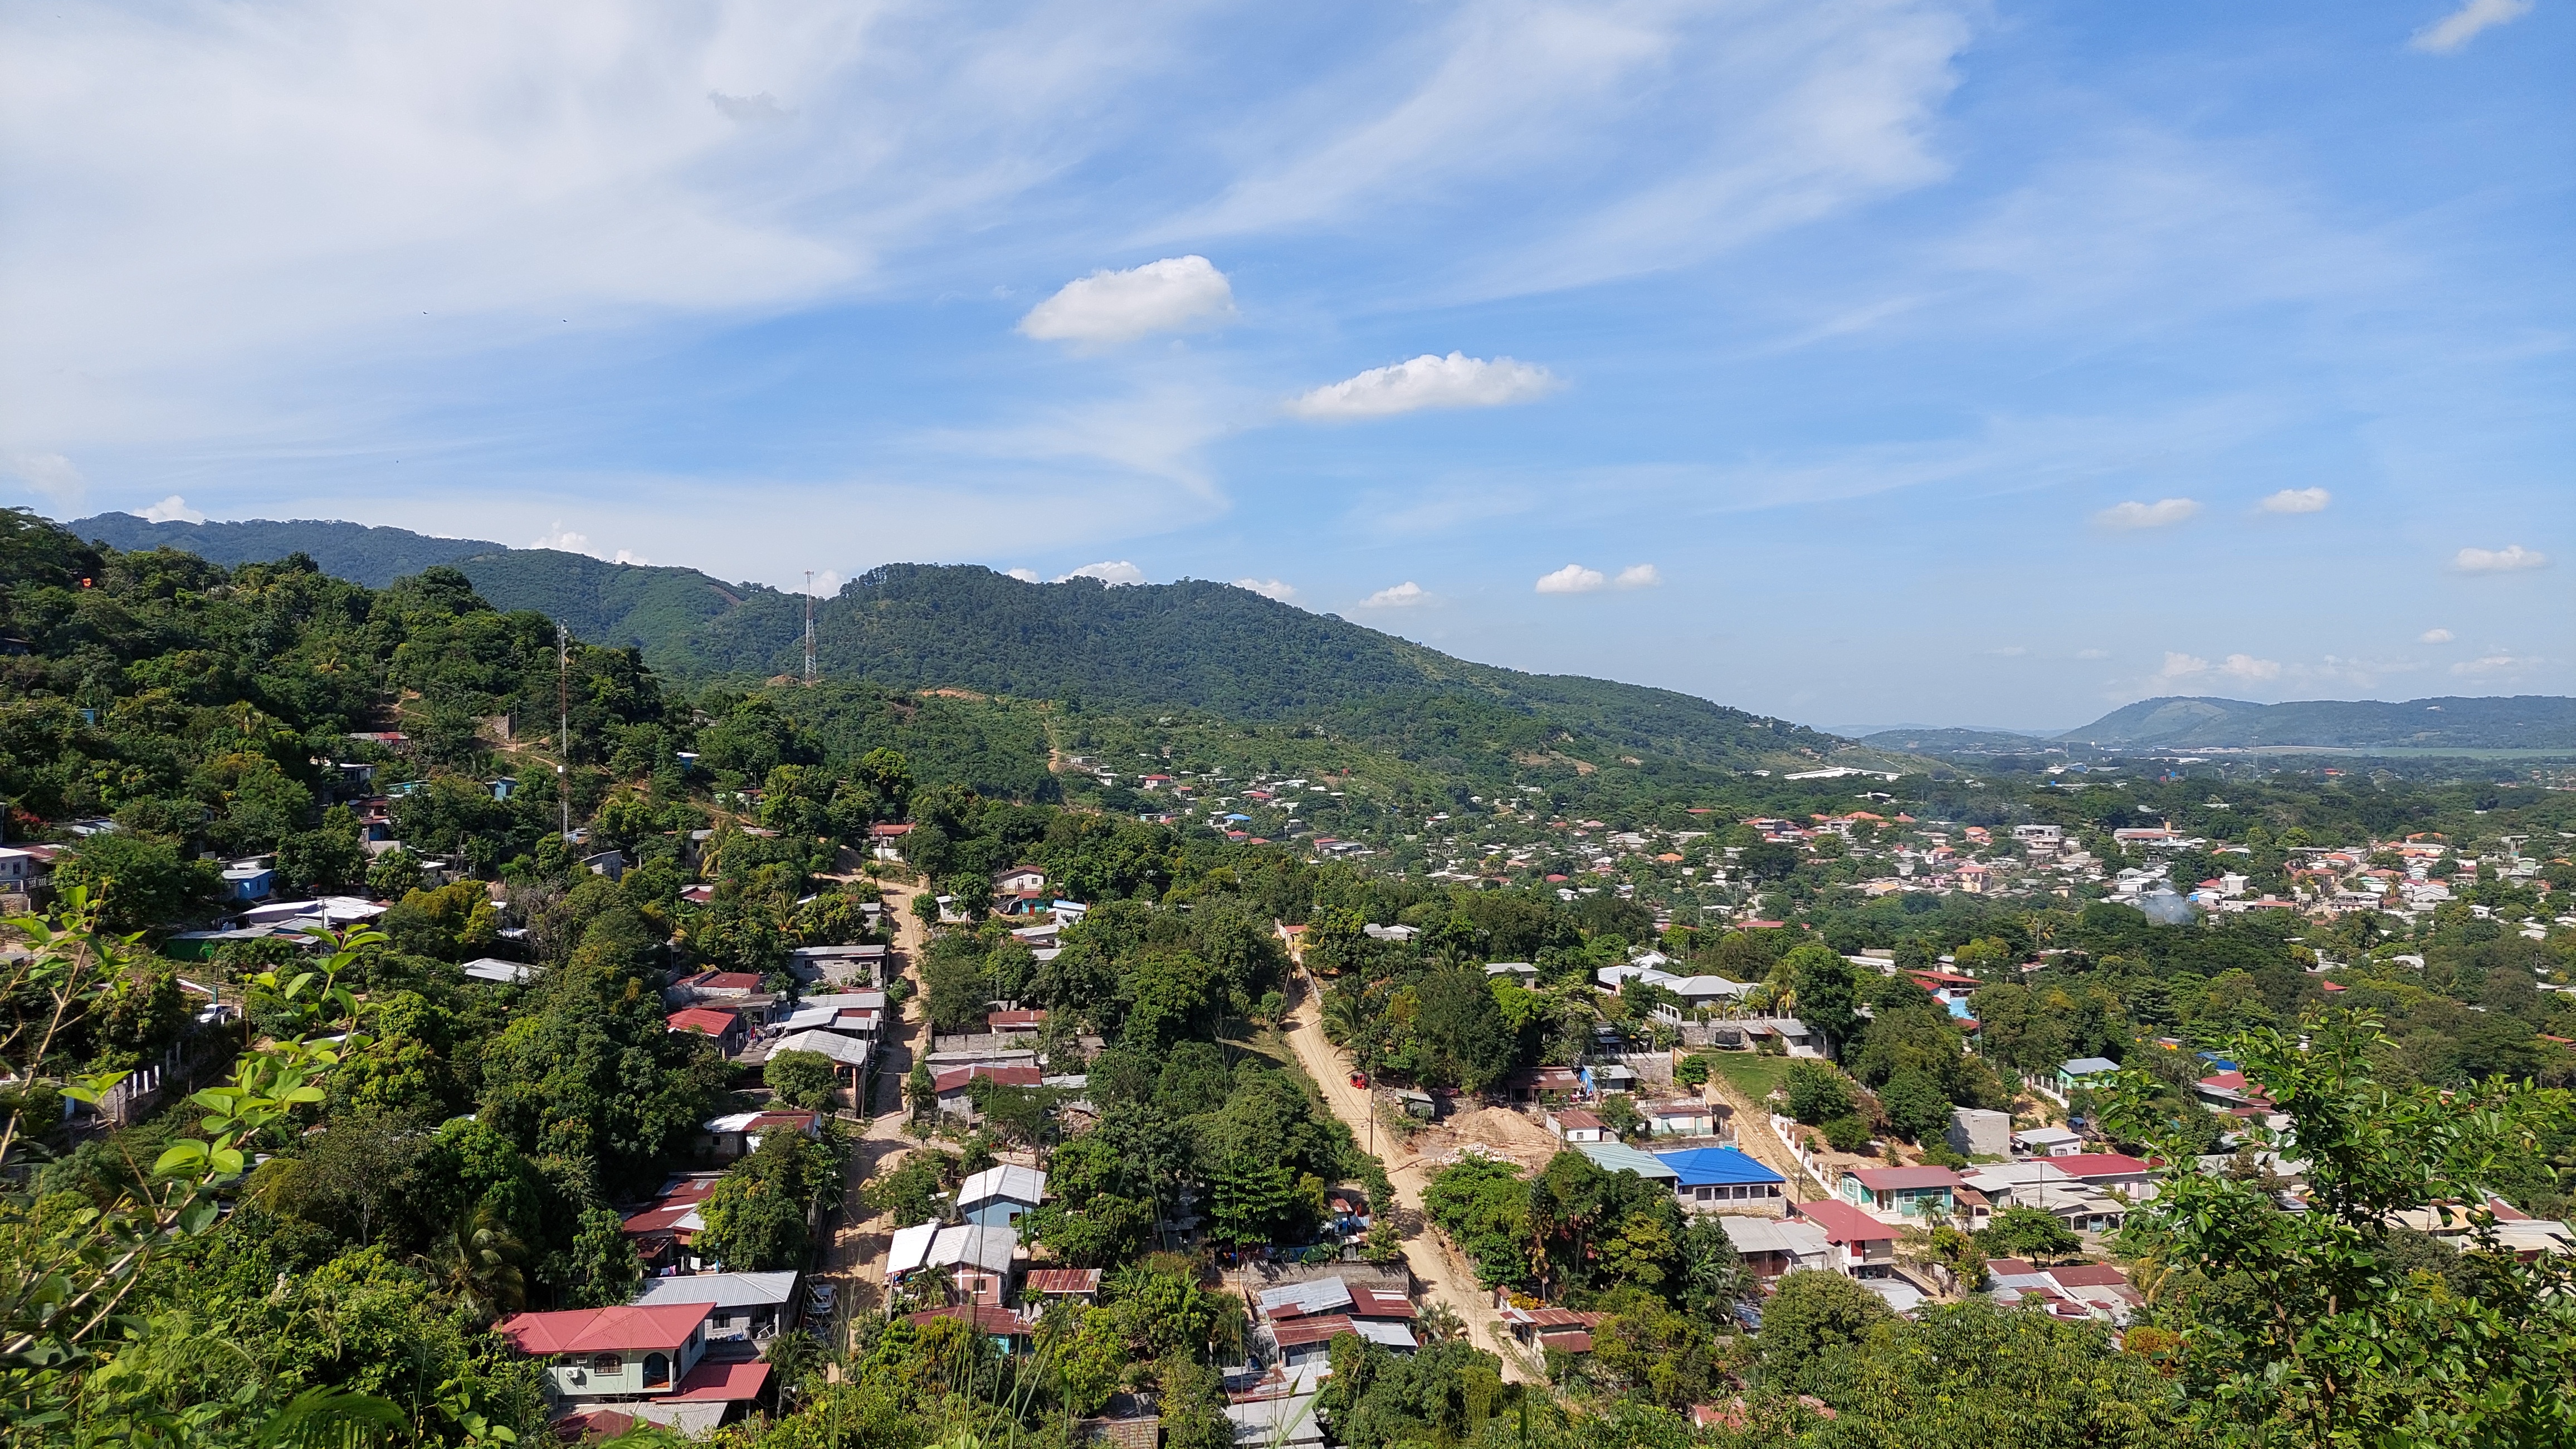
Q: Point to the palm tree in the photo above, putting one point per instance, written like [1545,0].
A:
[1440,1323]
[477,1262]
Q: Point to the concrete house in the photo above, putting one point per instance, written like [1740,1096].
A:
[1573,1124]
[1860,1246]
[1716,1179]
[1902,1192]
[1772,1247]
[613,1353]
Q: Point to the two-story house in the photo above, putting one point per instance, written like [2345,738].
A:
[1857,1245]
[1902,1192]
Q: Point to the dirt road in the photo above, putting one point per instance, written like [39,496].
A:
[1443,1275]
[859,1241]
[1753,1134]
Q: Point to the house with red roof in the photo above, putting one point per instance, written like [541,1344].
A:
[950,1085]
[1857,1244]
[718,1024]
[629,1352]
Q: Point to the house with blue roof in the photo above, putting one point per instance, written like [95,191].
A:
[1715,1179]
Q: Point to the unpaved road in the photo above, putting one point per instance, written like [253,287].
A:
[1442,1273]
[854,1256]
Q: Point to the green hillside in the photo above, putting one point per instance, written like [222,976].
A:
[371,556]
[1191,644]
[2446,722]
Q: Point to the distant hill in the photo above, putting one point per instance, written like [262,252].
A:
[371,556]
[1954,741]
[1194,643]
[2449,722]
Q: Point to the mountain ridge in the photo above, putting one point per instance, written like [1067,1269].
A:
[1192,643]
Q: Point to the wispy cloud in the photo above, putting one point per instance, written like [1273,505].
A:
[2246,666]
[2298,500]
[1403,596]
[1638,576]
[2434,636]
[2498,663]
[2509,559]
[1428,381]
[1177,294]
[2182,666]
[2465,24]
[1284,592]
[51,474]
[2163,513]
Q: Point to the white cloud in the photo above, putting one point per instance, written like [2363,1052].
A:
[1113,574]
[2246,666]
[1638,576]
[2464,24]
[630,556]
[563,539]
[2298,500]
[1572,579]
[51,474]
[1403,596]
[2092,653]
[1176,294]
[1428,381]
[1270,589]
[1026,576]
[173,509]
[2498,560]
[2491,664]
[2182,666]
[2434,636]
[2162,513]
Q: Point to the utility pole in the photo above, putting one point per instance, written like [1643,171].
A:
[563,721]
[809,627]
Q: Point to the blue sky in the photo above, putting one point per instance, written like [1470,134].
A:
[1860,362]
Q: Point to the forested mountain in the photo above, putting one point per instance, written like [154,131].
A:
[2447,722]
[1194,643]
[353,551]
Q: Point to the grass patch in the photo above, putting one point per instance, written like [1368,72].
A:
[1751,1073]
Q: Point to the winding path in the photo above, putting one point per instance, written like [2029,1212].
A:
[1443,1275]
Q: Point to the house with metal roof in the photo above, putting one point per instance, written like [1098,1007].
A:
[1902,1192]
[1713,1179]
[1001,1196]
[746,1305]
[1772,1247]
[1620,1157]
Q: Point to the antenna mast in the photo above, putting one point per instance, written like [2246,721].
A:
[563,721]
[809,626]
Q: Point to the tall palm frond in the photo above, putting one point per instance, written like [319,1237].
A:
[477,1262]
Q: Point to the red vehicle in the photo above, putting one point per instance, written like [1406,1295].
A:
[1359,1079]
